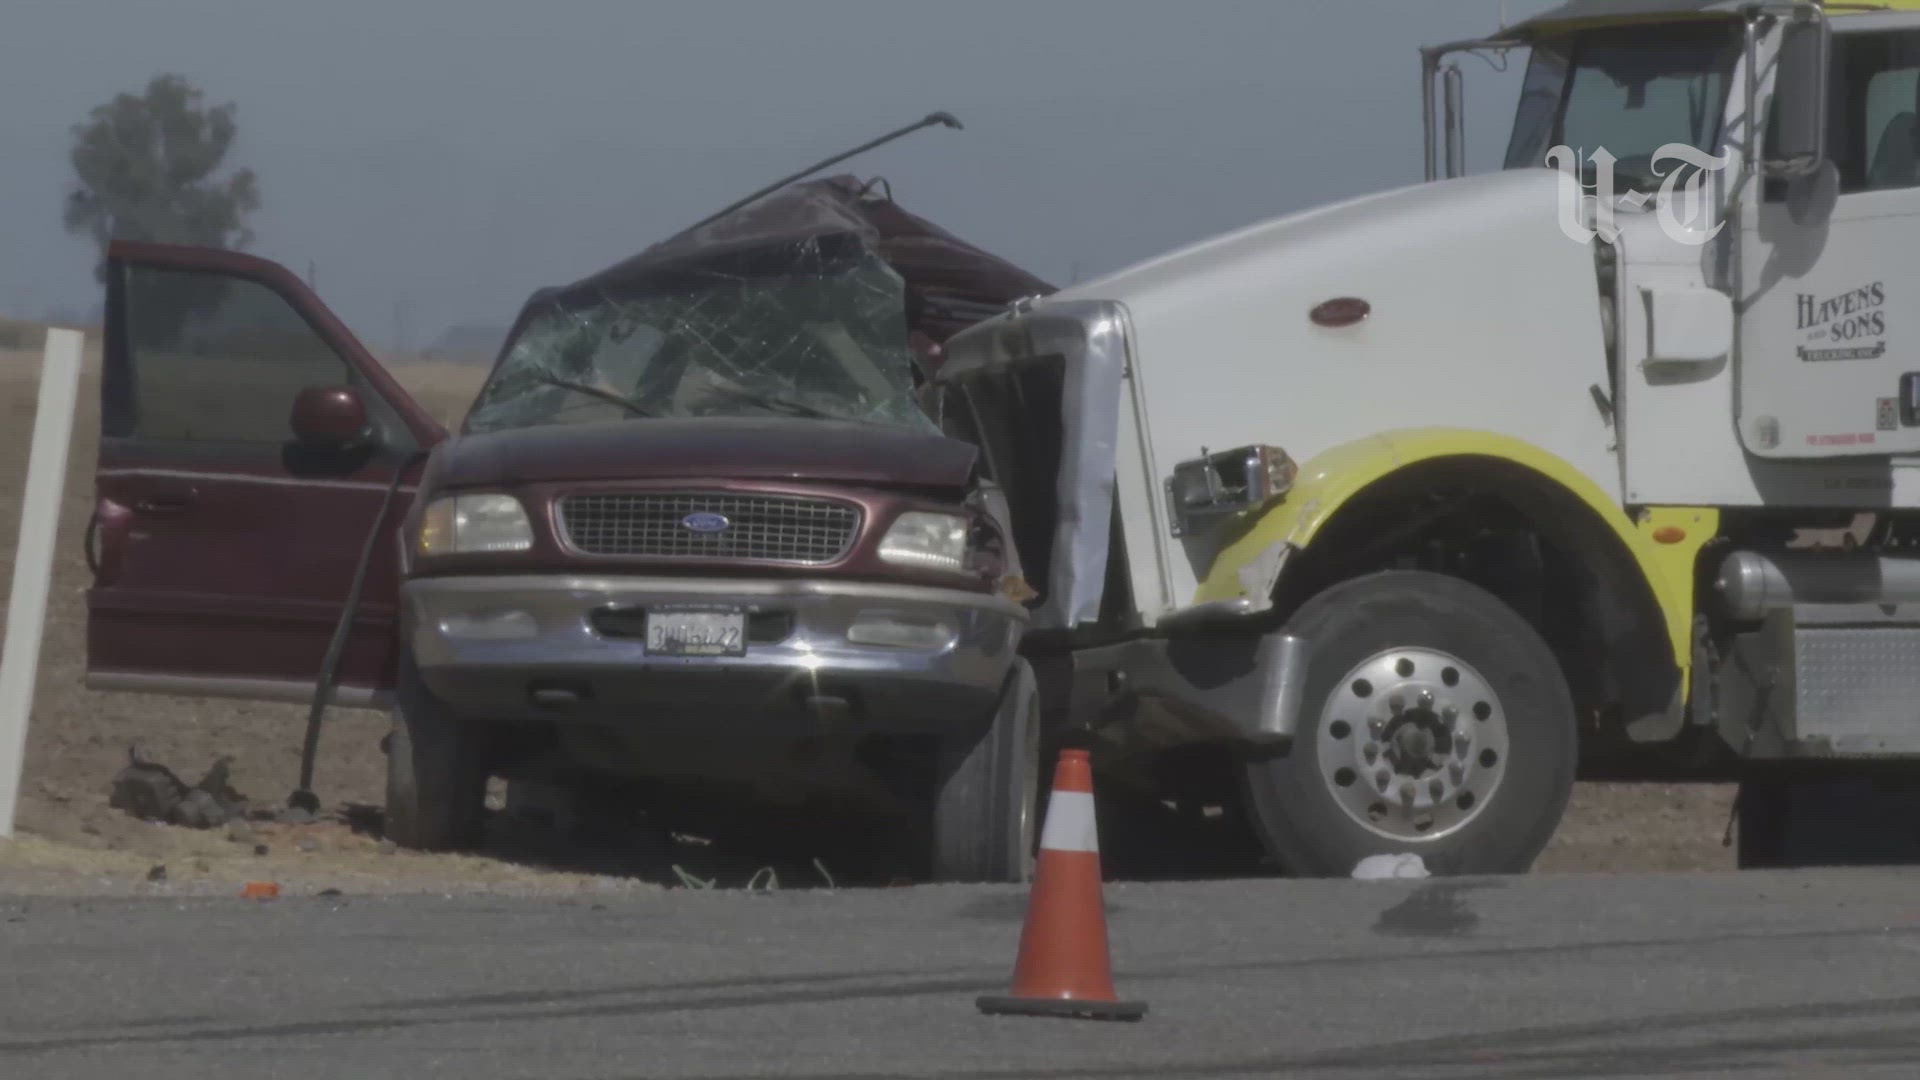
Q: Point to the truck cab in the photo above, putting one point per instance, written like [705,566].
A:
[1407,505]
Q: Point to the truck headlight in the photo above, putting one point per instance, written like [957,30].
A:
[1226,483]
[929,540]
[474,524]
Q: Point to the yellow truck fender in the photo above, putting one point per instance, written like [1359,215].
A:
[1663,542]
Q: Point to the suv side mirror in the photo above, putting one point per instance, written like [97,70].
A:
[330,416]
[1796,144]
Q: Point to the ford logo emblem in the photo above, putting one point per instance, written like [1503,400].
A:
[705,522]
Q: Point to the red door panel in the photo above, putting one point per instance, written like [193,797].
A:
[226,545]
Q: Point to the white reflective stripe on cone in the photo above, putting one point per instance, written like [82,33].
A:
[1070,824]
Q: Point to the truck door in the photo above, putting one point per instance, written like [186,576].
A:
[1830,332]
[223,543]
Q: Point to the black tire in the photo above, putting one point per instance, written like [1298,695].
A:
[985,811]
[1309,831]
[436,771]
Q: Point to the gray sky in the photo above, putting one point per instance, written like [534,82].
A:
[438,161]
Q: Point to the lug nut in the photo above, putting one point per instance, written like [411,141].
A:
[1458,771]
[1407,793]
[1426,699]
[1376,729]
[1396,705]
[1370,752]
[1437,789]
[1383,778]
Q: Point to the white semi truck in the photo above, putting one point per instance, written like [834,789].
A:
[1411,501]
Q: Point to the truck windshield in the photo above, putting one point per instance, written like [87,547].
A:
[1629,90]
[815,338]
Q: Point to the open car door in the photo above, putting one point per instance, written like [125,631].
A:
[247,442]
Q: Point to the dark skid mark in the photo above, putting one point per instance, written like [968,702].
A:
[811,988]
[559,997]
[241,1032]
[1466,1052]
[1607,1050]
[391,1014]
[1434,910]
[1008,907]
[1011,907]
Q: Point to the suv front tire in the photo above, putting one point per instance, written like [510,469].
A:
[436,770]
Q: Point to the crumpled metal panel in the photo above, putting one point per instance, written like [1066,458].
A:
[1089,450]
[1083,346]
[953,282]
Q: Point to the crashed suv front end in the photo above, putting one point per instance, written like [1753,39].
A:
[699,532]
[726,605]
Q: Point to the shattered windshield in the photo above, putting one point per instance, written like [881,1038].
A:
[812,329]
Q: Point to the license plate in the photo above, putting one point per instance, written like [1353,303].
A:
[703,632]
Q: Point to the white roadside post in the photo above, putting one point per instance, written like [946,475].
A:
[33,557]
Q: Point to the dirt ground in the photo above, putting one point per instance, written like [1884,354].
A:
[80,739]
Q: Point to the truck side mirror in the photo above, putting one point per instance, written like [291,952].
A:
[1454,104]
[1796,143]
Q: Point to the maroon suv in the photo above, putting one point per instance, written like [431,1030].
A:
[696,531]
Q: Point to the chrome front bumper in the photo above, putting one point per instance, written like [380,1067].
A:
[513,646]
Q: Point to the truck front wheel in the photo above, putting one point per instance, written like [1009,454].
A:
[1435,721]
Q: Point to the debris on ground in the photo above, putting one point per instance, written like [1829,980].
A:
[150,791]
[1386,867]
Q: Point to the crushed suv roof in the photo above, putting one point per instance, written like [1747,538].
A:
[957,282]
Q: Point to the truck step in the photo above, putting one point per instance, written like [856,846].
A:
[1827,664]
[1857,688]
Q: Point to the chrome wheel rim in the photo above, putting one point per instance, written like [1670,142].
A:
[1412,744]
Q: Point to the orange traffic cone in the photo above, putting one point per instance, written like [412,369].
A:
[1062,969]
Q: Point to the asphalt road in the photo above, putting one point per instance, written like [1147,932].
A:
[1757,975]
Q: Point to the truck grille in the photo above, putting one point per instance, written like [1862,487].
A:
[758,528]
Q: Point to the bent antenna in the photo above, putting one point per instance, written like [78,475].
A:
[945,119]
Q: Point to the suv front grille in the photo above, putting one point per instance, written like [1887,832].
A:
[758,528]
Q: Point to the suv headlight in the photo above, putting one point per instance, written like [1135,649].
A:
[933,541]
[474,524]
